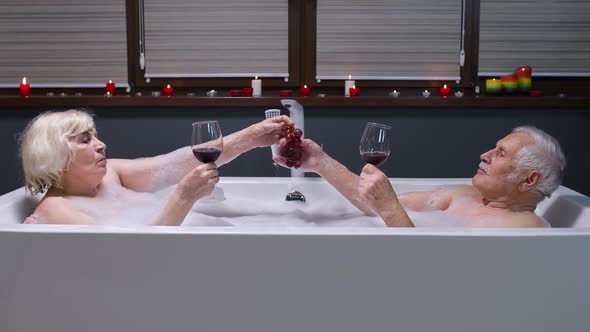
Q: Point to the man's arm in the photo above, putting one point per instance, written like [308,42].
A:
[376,190]
[314,159]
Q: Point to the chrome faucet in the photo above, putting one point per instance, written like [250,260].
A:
[297,115]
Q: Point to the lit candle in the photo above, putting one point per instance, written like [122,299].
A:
[349,83]
[459,94]
[111,87]
[445,91]
[394,94]
[25,88]
[256,87]
[493,86]
[425,93]
[523,77]
[354,91]
[305,90]
[108,95]
[168,90]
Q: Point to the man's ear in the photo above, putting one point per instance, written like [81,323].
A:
[531,180]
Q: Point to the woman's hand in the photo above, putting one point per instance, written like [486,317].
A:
[198,183]
[269,131]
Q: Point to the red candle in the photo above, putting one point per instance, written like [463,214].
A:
[248,91]
[25,88]
[524,71]
[445,91]
[523,77]
[111,87]
[354,91]
[235,93]
[305,90]
[168,90]
[285,93]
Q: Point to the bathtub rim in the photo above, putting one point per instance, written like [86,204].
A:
[298,231]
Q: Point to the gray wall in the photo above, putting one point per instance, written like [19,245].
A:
[426,142]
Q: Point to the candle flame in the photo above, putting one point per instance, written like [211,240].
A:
[394,91]
[445,86]
[305,86]
[24,80]
[354,86]
[168,86]
[110,81]
[256,77]
[349,77]
[108,93]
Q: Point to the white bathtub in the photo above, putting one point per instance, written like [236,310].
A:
[98,278]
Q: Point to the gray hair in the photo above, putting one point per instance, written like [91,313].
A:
[544,155]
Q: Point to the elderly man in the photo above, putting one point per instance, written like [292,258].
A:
[523,168]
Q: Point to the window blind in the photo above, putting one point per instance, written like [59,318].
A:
[63,43]
[389,39]
[552,36]
[224,38]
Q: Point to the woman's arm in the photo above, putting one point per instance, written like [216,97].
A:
[154,173]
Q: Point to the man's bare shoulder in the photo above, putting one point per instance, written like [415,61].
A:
[462,191]
[526,220]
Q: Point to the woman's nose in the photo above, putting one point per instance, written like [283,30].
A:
[100,145]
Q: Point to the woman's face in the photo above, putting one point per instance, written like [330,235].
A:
[89,162]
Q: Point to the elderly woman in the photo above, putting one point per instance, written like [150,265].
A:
[63,157]
[525,167]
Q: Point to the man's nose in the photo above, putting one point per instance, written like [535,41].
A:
[485,156]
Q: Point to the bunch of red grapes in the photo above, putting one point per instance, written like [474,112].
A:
[293,151]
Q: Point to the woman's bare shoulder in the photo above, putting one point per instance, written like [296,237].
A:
[58,210]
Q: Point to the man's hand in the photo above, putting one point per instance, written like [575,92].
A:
[312,155]
[376,190]
[269,131]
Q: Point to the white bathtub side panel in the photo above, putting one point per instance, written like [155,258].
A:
[63,282]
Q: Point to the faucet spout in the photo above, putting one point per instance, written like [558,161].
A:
[297,115]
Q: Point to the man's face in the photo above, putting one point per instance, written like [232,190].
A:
[493,178]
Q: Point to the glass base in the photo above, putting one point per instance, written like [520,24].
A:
[217,195]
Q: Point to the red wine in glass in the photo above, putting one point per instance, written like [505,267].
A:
[375,158]
[374,145]
[207,145]
[206,155]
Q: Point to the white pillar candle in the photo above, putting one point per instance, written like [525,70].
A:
[256,87]
[349,83]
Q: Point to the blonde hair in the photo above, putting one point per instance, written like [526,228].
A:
[46,147]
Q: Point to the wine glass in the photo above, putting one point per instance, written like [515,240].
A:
[374,146]
[207,145]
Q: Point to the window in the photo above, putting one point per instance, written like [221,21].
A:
[225,38]
[553,37]
[389,40]
[63,43]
